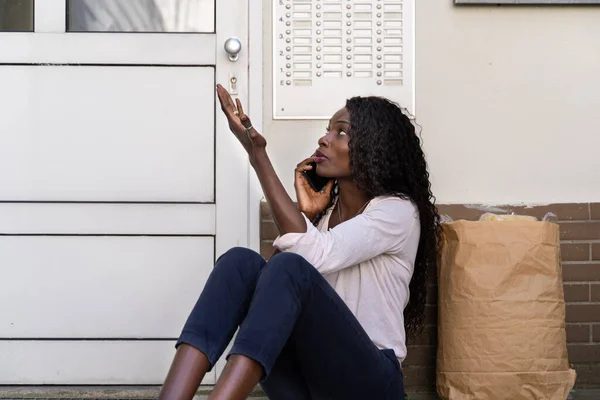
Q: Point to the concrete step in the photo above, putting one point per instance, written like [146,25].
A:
[97,393]
[151,393]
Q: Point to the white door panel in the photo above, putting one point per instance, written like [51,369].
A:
[118,187]
[116,48]
[87,362]
[101,287]
[107,219]
[107,133]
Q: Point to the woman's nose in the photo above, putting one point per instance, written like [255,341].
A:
[324,141]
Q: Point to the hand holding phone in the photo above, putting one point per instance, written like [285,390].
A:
[316,182]
[312,191]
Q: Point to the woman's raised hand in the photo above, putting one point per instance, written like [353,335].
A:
[240,124]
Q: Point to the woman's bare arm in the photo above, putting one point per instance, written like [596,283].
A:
[285,213]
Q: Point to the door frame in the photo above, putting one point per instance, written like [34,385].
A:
[254,91]
[256,48]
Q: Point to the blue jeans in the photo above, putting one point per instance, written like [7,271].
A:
[295,325]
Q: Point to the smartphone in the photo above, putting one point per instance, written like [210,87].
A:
[317,182]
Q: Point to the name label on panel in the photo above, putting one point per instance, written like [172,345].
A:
[325,51]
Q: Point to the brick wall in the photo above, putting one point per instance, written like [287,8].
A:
[580,249]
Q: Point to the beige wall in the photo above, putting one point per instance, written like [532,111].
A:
[508,99]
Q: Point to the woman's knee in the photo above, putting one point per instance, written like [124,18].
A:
[240,260]
[289,266]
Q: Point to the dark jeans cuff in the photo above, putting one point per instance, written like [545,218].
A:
[250,351]
[199,343]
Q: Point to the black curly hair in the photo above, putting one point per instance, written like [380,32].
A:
[386,158]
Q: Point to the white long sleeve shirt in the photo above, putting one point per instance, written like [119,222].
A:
[369,261]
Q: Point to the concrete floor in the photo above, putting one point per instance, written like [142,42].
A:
[149,393]
[94,393]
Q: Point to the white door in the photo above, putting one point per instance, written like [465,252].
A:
[120,182]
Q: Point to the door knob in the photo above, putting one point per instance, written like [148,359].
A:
[233,46]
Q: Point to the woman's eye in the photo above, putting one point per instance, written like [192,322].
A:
[342,133]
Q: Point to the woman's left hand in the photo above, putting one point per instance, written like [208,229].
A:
[240,124]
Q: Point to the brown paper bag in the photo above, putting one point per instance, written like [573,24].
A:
[501,322]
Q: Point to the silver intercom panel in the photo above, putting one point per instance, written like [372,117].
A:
[328,50]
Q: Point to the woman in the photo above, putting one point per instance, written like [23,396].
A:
[326,317]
